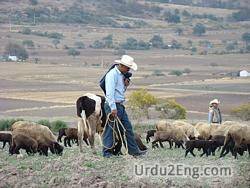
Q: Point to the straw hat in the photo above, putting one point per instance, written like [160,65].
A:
[214,101]
[127,61]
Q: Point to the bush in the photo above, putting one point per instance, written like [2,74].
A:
[45,122]
[141,100]
[73,52]
[98,45]
[199,29]
[58,124]
[119,52]
[243,112]
[158,73]
[157,41]
[176,72]
[5,124]
[28,43]
[26,31]
[170,109]
[14,49]
[187,70]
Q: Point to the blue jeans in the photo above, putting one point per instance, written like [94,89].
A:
[108,134]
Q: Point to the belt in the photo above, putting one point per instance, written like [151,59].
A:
[120,103]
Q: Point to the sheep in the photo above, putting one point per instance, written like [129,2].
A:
[170,134]
[189,129]
[205,130]
[138,140]
[205,145]
[236,136]
[40,133]
[70,134]
[116,150]
[5,138]
[162,125]
[150,133]
[61,133]
[21,141]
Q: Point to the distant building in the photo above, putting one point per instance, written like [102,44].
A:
[12,58]
[244,73]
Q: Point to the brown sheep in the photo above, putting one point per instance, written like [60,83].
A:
[162,125]
[189,129]
[170,134]
[150,133]
[138,140]
[205,130]
[5,138]
[71,134]
[40,133]
[236,136]
[20,141]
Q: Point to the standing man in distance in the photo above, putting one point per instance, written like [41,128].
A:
[214,114]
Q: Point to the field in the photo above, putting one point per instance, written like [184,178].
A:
[48,83]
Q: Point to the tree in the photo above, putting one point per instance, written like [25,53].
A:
[246,37]
[141,100]
[108,41]
[170,109]
[73,52]
[56,42]
[80,45]
[199,29]
[172,17]
[33,2]
[28,43]
[179,31]
[26,31]
[157,41]
[14,49]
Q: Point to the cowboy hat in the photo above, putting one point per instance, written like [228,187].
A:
[128,61]
[214,101]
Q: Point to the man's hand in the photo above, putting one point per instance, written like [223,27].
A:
[126,82]
[114,113]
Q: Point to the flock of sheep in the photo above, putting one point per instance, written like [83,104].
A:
[231,136]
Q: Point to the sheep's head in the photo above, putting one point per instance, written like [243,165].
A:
[58,148]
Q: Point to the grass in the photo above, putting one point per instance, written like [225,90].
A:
[87,169]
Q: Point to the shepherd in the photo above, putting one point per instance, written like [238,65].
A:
[116,83]
[214,114]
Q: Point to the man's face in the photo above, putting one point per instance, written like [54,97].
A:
[124,69]
[215,105]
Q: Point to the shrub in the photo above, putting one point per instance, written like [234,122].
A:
[199,29]
[28,43]
[157,41]
[158,73]
[55,42]
[5,124]
[73,52]
[242,111]
[141,100]
[16,50]
[98,45]
[45,122]
[176,72]
[79,45]
[187,70]
[26,31]
[55,35]
[171,109]
[58,124]
[119,52]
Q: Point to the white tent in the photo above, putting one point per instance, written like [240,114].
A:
[244,73]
